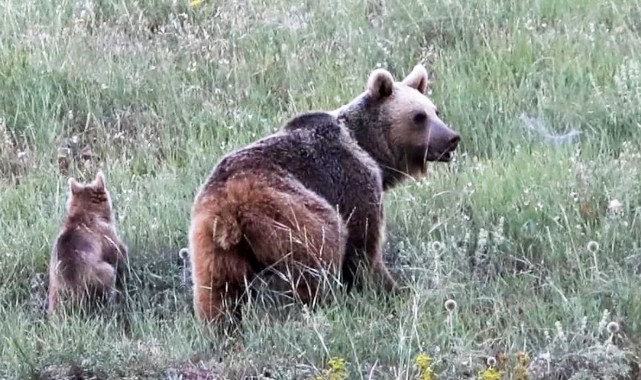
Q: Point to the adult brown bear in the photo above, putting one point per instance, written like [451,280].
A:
[308,199]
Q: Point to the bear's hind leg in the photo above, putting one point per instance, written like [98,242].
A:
[294,231]
[218,274]
[219,287]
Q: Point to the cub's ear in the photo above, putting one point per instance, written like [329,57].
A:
[74,186]
[100,182]
[380,84]
[417,79]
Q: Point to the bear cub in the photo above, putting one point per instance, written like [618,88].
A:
[308,200]
[88,260]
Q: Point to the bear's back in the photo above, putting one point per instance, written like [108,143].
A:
[314,149]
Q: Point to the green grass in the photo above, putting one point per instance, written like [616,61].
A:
[160,91]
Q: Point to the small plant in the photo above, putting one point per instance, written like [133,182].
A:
[336,370]
[520,372]
[424,364]
[578,352]
[491,373]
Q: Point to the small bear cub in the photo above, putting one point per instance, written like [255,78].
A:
[88,260]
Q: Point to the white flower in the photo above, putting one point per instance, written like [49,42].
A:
[615,206]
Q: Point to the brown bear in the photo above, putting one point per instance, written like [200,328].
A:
[88,260]
[311,194]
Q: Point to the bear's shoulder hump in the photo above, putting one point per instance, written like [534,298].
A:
[312,121]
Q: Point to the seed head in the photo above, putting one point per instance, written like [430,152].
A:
[450,305]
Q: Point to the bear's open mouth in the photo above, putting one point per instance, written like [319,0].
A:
[445,156]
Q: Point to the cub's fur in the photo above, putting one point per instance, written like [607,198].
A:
[311,194]
[88,259]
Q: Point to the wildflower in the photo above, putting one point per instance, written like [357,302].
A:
[604,320]
[490,374]
[337,364]
[195,3]
[336,369]
[613,327]
[559,330]
[482,239]
[523,358]
[450,305]
[521,372]
[615,206]
[423,362]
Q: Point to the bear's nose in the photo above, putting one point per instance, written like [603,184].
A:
[454,140]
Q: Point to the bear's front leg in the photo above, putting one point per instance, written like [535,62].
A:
[374,251]
[365,251]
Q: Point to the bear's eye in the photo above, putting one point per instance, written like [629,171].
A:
[420,117]
[438,113]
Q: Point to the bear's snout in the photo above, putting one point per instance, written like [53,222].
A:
[442,142]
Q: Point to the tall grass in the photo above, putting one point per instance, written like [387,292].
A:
[536,242]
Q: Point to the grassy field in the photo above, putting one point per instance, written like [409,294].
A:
[535,236]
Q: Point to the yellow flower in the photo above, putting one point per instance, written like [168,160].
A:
[195,3]
[336,370]
[428,375]
[337,364]
[490,374]
[423,361]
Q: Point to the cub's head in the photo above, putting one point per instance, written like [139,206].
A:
[91,198]
[399,125]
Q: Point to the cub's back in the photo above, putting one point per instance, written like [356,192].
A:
[72,253]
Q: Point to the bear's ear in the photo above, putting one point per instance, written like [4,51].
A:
[99,181]
[417,79]
[380,84]
[74,186]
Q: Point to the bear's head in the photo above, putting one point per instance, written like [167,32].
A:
[398,125]
[90,199]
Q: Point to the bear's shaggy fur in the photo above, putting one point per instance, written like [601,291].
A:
[308,198]
[88,259]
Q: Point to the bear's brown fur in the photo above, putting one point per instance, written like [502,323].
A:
[88,259]
[311,193]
